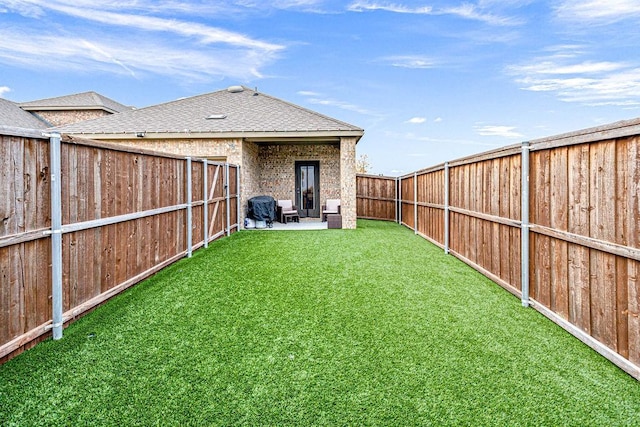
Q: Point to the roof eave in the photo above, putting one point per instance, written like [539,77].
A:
[261,136]
[67,108]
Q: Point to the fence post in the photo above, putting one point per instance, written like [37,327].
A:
[524,228]
[399,198]
[415,202]
[395,197]
[226,189]
[56,235]
[238,216]
[446,207]
[205,207]
[189,218]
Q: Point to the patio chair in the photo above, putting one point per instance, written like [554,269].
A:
[331,207]
[285,209]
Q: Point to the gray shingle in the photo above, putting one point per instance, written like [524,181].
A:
[84,100]
[243,111]
[12,115]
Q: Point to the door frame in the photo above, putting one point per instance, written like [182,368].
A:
[315,212]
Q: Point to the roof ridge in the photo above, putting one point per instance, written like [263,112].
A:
[97,98]
[307,110]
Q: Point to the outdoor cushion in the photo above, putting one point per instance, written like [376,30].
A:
[286,207]
[332,205]
[285,204]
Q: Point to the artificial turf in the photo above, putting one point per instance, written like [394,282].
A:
[373,326]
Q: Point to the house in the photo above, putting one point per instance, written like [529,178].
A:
[64,110]
[12,115]
[284,150]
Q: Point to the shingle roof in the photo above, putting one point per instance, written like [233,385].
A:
[12,115]
[243,111]
[77,101]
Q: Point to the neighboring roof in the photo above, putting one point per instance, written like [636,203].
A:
[12,115]
[77,101]
[236,111]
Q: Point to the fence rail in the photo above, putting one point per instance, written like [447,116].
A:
[70,238]
[554,221]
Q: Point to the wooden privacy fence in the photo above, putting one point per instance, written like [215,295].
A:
[555,221]
[376,197]
[81,221]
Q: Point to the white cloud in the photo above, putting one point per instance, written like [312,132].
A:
[410,61]
[126,57]
[361,6]
[502,131]
[206,34]
[472,12]
[180,48]
[466,11]
[438,120]
[319,99]
[597,11]
[552,67]
[307,93]
[416,120]
[3,90]
[342,105]
[576,80]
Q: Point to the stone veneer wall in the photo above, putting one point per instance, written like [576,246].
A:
[249,175]
[67,117]
[348,183]
[229,149]
[278,174]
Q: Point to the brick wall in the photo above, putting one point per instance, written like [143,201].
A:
[278,174]
[66,117]
[229,150]
[249,175]
[348,183]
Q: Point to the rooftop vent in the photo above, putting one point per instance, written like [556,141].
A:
[216,117]
[235,89]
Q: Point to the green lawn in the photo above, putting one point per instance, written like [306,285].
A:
[373,326]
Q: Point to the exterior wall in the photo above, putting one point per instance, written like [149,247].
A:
[229,149]
[278,174]
[67,117]
[249,175]
[348,187]
[269,169]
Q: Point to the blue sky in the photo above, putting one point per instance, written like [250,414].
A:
[429,81]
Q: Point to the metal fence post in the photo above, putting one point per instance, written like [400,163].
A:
[415,202]
[238,217]
[524,229]
[226,189]
[56,234]
[399,198]
[446,207]
[397,218]
[189,218]
[205,207]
